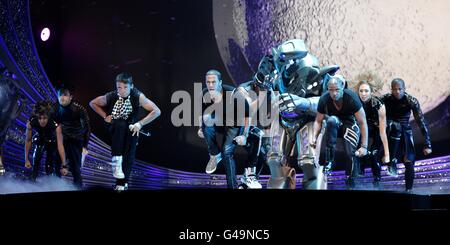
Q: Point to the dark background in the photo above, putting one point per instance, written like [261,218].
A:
[167,45]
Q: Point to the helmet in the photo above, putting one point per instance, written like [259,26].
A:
[265,73]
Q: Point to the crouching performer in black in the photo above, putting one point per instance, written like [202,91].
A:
[47,138]
[342,106]
[399,105]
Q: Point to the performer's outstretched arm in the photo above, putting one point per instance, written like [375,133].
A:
[317,127]
[97,104]
[28,142]
[153,110]
[383,136]
[361,118]
[61,151]
[151,107]
[420,120]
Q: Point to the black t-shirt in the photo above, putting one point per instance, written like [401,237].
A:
[234,107]
[74,121]
[44,134]
[371,108]
[400,111]
[351,104]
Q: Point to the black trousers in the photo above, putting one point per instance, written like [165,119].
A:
[123,144]
[349,131]
[51,164]
[373,159]
[257,148]
[73,149]
[401,146]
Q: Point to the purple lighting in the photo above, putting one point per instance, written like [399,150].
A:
[45,34]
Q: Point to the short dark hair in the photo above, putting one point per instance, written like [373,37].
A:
[42,108]
[399,81]
[340,80]
[65,88]
[214,72]
[124,77]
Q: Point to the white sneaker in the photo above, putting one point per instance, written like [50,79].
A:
[249,179]
[251,182]
[212,163]
[120,188]
[117,167]
[2,168]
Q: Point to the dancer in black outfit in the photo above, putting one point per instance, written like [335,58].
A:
[74,122]
[47,138]
[342,106]
[367,85]
[399,106]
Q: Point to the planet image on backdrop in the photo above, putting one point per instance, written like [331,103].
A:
[406,39]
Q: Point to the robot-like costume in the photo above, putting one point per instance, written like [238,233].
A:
[300,85]
[11,107]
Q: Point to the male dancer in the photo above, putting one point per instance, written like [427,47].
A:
[342,107]
[258,93]
[121,115]
[399,105]
[76,131]
[218,100]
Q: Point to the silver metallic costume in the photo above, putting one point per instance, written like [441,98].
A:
[299,83]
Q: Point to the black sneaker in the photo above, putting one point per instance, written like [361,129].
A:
[392,170]
[376,183]
[409,191]
[350,183]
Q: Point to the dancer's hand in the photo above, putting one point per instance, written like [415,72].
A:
[135,128]
[385,159]
[27,164]
[241,140]
[361,152]
[108,119]
[84,153]
[200,133]
[427,151]
[64,169]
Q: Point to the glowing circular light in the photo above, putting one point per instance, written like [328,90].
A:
[45,34]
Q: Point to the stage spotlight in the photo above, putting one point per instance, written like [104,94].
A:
[45,34]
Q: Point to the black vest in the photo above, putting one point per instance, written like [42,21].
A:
[112,97]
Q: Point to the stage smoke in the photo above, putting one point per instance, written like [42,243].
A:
[9,184]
